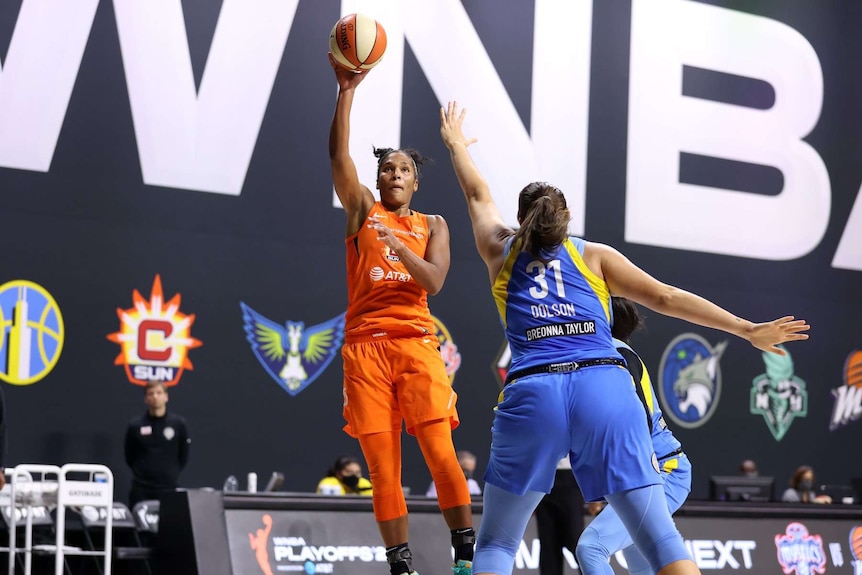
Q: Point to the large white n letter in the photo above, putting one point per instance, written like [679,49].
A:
[459,68]
[661,211]
[200,141]
[37,79]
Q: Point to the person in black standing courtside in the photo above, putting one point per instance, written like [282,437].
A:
[157,447]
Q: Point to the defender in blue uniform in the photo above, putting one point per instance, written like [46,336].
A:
[606,534]
[567,391]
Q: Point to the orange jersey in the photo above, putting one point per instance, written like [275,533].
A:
[384,300]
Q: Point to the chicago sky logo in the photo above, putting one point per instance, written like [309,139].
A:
[690,379]
[800,552]
[448,349]
[32,334]
[292,354]
[778,395]
[154,338]
[848,397]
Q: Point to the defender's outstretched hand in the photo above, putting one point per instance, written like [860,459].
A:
[347,79]
[766,336]
[451,123]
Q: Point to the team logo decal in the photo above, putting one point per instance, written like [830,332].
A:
[690,379]
[856,549]
[778,395]
[848,397]
[154,338]
[501,364]
[448,349]
[800,552]
[32,338]
[293,355]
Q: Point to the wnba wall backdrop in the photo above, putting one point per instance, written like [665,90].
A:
[715,143]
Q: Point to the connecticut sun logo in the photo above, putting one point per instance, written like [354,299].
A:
[155,338]
[448,349]
[32,332]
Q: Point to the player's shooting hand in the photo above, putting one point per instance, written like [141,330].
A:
[766,336]
[385,235]
[451,126]
[347,79]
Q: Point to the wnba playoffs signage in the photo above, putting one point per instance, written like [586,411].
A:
[715,143]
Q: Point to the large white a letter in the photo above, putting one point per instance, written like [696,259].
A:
[667,34]
[200,141]
[37,78]
[459,68]
[849,253]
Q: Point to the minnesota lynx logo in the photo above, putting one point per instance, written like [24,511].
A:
[778,395]
[690,379]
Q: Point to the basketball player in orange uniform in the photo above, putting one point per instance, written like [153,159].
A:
[393,369]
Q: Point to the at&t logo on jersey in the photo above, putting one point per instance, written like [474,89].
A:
[155,338]
[448,349]
[690,379]
[32,334]
[293,355]
[848,397]
[800,552]
[778,395]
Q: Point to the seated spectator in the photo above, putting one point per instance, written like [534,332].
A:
[345,478]
[802,488]
[467,461]
[748,468]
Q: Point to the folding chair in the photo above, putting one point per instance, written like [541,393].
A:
[146,514]
[126,547]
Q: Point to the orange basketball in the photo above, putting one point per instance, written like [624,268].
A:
[357,42]
[856,542]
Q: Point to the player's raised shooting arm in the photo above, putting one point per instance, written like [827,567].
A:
[355,198]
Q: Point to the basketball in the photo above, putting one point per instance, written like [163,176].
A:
[357,42]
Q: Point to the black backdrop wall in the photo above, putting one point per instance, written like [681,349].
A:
[230,201]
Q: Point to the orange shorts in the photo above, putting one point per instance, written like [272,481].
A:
[387,380]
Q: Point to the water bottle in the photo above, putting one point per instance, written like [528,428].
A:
[252,482]
[231,484]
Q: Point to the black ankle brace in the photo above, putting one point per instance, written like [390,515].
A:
[400,559]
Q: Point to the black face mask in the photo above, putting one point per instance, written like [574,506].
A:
[806,485]
[350,481]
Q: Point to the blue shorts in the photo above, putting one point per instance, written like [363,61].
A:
[592,415]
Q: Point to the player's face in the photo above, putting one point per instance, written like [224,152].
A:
[397,179]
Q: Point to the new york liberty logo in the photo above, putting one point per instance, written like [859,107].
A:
[690,379]
[800,552]
[778,395]
[293,354]
[32,335]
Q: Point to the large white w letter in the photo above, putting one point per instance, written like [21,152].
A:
[37,79]
[200,141]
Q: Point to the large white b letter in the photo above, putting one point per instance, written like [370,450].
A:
[661,211]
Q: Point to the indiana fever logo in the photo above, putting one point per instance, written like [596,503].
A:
[800,552]
[155,338]
[292,354]
[690,379]
[448,349]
